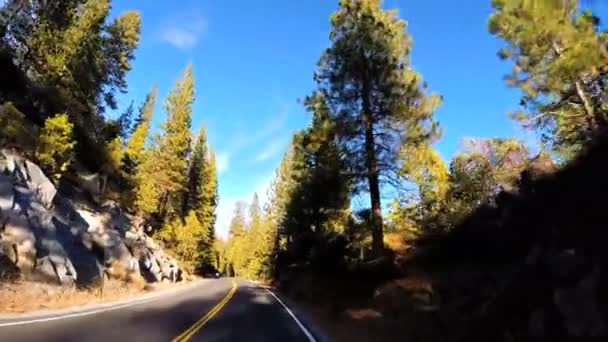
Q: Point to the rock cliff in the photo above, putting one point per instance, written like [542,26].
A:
[46,235]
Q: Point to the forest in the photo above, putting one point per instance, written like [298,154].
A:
[486,246]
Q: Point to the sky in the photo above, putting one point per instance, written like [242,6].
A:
[253,60]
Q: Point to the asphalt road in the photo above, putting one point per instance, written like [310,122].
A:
[215,310]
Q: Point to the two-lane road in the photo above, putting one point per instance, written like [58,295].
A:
[214,310]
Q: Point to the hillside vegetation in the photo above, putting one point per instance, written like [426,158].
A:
[90,193]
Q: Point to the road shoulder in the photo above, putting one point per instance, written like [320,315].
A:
[90,309]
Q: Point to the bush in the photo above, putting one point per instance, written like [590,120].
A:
[56,145]
[16,130]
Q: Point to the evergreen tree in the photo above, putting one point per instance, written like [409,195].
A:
[137,141]
[125,123]
[210,196]
[200,196]
[183,238]
[559,64]
[147,189]
[56,145]
[193,191]
[162,175]
[237,244]
[255,212]
[377,101]
[174,145]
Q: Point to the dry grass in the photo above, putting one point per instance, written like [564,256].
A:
[24,296]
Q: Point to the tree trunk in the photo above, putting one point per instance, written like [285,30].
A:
[373,176]
[586,105]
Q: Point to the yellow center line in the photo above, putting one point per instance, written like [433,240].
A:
[186,335]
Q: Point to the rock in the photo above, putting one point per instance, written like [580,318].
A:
[94,184]
[23,197]
[112,208]
[96,223]
[7,196]
[55,269]
[43,188]
[66,274]
[45,270]
[9,161]
[154,270]
[9,250]
[579,307]
[18,233]
[133,236]
[44,234]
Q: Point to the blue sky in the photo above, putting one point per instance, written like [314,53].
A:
[254,59]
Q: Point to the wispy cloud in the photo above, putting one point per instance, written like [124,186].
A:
[273,148]
[184,30]
[180,38]
[274,125]
[222,160]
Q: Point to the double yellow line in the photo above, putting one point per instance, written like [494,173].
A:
[186,335]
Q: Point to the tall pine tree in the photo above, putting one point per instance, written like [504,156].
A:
[163,173]
[137,142]
[193,191]
[377,100]
[174,146]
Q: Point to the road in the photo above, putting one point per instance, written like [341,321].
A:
[215,310]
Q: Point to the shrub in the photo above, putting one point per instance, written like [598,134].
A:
[56,145]
[16,130]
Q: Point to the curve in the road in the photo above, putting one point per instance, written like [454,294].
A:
[186,335]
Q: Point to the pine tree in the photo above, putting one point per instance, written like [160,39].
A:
[174,144]
[56,145]
[255,212]
[237,245]
[125,123]
[162,175]
[193,191]
[377,101]
[559,64]
[200,196]
[147,189]
[326,184]
[210,196]
[137,141]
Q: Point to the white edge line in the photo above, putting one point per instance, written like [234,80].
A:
[91,312]
[302,327]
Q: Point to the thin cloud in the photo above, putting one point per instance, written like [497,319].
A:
[276,124]
[272,149]
[222,160]
[180,38]
[184,31]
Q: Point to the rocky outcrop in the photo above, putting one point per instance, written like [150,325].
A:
[48,237]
